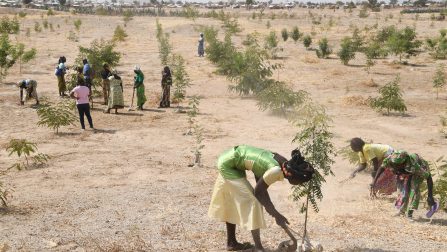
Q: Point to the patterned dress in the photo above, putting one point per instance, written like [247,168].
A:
[138,80]
[411,170]
[115,100]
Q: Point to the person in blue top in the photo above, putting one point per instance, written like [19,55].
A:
[87,72]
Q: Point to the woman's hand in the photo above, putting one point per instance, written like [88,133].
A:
[281,220]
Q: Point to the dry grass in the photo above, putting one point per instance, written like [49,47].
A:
[356,100]
[310,60]
[369,83]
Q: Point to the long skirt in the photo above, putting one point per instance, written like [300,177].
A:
[105,90]
[166,96]
[141,97]
[386,183]
[233,201]
[61,84]
[116,99]
[409,193]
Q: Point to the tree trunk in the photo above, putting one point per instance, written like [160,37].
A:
[305,218]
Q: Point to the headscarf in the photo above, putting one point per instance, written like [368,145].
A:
[298,168]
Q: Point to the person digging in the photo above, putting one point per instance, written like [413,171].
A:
[30,88]
[235,202]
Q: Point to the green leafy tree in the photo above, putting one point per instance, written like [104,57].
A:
[119,34]
[180,78]
[284,34]
[307,41]
[295,34]
[439,80]
[99,52]
[277,97]
[348,154]
[191,12]
[438,171]
[54,116]
[271,44]
[9,26]
[232,26]
[77,24]
[438,46]
[164,47]
[24,56]
[347,50]
[390,98]
[127,16]
[8,55]
[404,43]
[193,103]
[323,50]
[50,12]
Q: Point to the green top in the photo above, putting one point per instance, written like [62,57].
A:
[233,163]
[413,164]
[139,78]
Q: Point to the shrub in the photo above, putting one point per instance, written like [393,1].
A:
[72,36]
[438,46]
[323,50]
[180,78]
[77,24]
[347,50]
[164,47]
[119,34]
[127,16]
[22,14]
[390,98]
[363,13]
[277,97]
[50,12]
[24,56]
[284,34]
[271,44]
[307,41]
[404,43]
[295,34]
[37,27]
[45,24]
[10,54]
[232,26]
[54,116]
[439,80]
[24,147]
[9,26]
[191,12]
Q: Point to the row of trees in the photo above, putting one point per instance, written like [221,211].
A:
[252,74]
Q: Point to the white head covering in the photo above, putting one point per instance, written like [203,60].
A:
[136,68]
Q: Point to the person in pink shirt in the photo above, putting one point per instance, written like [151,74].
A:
[82,93]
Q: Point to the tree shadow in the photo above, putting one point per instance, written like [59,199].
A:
[60,134]
[10,83]
[357,65]
[13,210]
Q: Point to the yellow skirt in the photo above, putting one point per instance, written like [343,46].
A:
[233,201]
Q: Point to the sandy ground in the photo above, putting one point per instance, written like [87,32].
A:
[128,187]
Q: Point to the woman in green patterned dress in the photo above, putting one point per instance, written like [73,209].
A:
[412,170]
[139,86]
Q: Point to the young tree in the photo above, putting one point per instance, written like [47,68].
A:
[315,141]
[324,50]
[271,44]
[119,34]
[277,97]
[77,24]
[8,26]
[24,147]
[24,56]
[57,115]
[438,46]
[404,43]
[439,80]
[307,41]
[164,47]
[180,78]
[347,50]
[8,55]
[390,98]
[295,34]
[284,34]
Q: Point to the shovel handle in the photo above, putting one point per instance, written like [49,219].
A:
[289,233]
